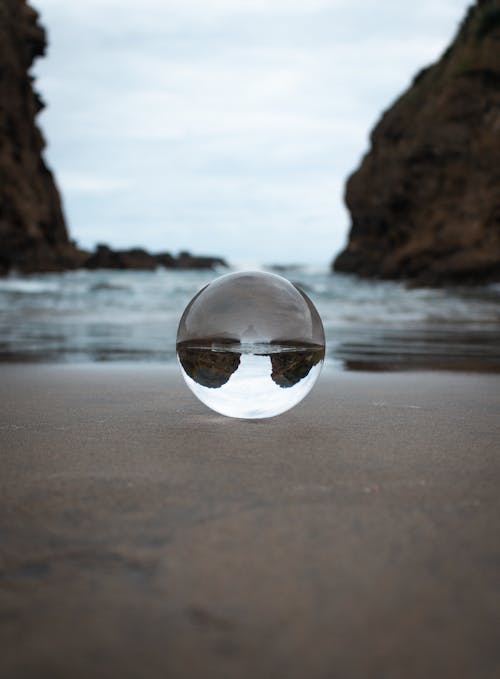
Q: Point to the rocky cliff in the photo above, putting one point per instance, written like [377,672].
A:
[33,235]
[425,201]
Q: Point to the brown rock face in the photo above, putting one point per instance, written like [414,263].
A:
[209,368]
[425,202]
[105,257]
[33,235]
[289,367]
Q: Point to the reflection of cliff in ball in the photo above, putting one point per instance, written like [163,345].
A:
[206,367]
[290,367]
[250,344]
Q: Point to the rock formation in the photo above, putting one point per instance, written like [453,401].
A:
[208,368]
[425,202]
[137,258]
[33,234]
[289,367]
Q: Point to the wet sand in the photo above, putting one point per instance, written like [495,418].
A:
[143,536]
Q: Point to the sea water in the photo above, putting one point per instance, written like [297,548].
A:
[89,316]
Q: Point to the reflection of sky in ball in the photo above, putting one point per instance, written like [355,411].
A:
[251,306]
[249,394]
[238,316]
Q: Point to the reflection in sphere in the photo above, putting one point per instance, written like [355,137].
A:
[250,345]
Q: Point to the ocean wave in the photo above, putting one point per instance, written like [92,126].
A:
[28,286]
[109,286]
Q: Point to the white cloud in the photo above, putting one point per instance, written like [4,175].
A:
[93,183]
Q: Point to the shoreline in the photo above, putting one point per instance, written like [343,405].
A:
[144,535]
[332,366]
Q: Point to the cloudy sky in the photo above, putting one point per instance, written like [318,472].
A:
[223,126]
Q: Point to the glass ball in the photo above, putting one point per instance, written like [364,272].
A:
[250,345]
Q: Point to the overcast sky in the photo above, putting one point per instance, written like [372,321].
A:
[223,126]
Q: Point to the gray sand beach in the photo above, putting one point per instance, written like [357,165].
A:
[144,536]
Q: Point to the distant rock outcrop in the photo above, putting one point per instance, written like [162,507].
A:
[137,258]
[33,235]
[425,202]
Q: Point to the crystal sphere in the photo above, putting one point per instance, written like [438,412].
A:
[250,345]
